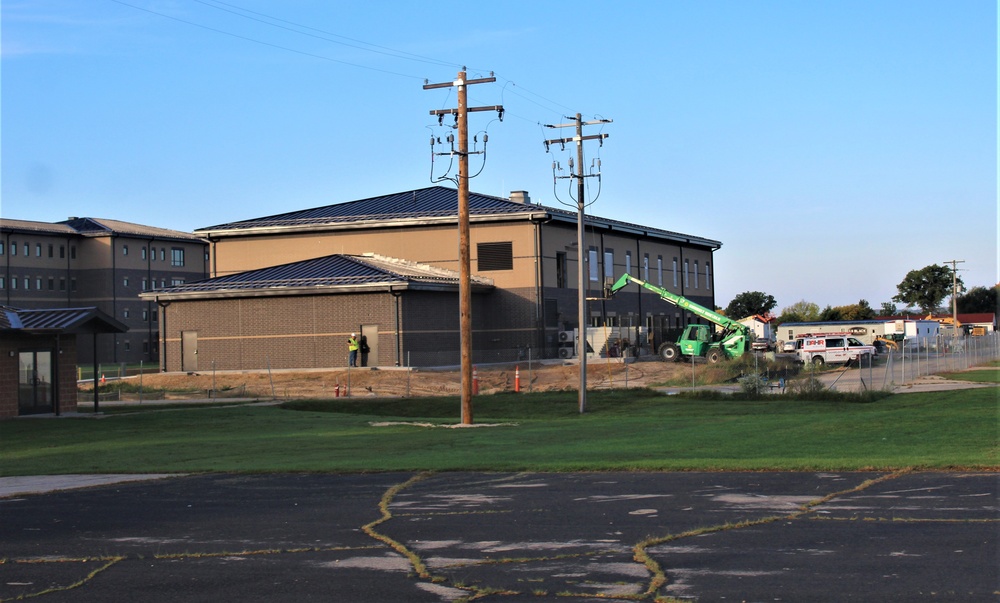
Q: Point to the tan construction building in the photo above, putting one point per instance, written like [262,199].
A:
[524,254]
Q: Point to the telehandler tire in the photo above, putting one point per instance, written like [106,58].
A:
[713,356]
[669,352]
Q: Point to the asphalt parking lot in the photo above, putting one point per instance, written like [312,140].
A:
[505,537]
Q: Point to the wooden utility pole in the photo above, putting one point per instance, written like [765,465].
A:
[581,275]
[464,255]
[954,296]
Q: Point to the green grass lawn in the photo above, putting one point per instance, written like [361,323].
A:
[979,375]
[622,430]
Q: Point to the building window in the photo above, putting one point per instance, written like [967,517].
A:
[51,250]
[38,283]
[72,284]
[27,250]
[708,276]
[675,273]
[144,253]
[174,282]
[3,249]
[62,284]
[562,276]
[687,273]
[156,316]
[145,284]
[27,283]
[3,281]
[628,262]
[163,282]
[128,346]
[62,252]
[13,247]
[125,282]
[72,252]
[145,346]
[52,284]
[609,263]
[490,256]
[152,253]
[176,256]
[592,264]
[645,267]
[124,249]
[696,274]
[38,250]
[659,270]
[125,313]
[145,316]
[163,254]
[13,282]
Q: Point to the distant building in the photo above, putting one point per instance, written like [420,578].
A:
[865,331]
[761,326]
[106,264]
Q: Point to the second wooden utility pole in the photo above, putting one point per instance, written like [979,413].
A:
[581,251]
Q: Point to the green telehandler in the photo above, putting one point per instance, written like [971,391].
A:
[697,340]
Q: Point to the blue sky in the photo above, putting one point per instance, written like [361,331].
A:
[831,146]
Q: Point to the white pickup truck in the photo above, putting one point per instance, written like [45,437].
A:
[833,348]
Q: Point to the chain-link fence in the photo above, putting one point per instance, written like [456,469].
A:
[915,358]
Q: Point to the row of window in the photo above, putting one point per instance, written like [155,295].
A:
[148,284]
[24,282]
[689,276]
[146,314]
[26,250]
[176,254]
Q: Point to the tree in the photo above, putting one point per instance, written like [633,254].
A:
[888,309]
[979,299]
[800,311]
[858,311]
[926,288]
[749,303]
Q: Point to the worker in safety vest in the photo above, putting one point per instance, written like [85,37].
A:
[352,349]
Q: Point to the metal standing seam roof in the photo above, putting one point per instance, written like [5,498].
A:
[329,271]
[104,226]
[427,203]
[59,320]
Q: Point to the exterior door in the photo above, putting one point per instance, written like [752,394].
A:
[369,334]
[189,351]
[36,391]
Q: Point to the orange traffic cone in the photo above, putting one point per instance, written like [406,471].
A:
[517,378]
[103,380]
[475,382]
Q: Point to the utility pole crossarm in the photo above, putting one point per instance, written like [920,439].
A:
[469,109]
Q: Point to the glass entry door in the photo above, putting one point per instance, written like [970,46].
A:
[34,380]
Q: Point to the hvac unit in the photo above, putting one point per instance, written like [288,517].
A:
[566,336]
[566,352]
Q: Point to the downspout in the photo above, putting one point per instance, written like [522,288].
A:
[163,333]
[6,249]
[114,300]
[540,284]
[396,295]
[69,275]
[642,319]
[149,305]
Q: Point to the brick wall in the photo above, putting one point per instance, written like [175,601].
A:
[64,365]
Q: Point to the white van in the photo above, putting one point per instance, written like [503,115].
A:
[833,348]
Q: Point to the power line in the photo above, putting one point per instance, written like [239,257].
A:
[381,49]
[263,43]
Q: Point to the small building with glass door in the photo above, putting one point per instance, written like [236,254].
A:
[38,357]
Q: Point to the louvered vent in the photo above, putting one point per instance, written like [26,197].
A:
[495,256]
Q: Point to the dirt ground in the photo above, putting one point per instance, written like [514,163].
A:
[553,375]
[391,381]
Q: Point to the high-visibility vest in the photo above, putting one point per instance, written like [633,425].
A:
[352,344]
